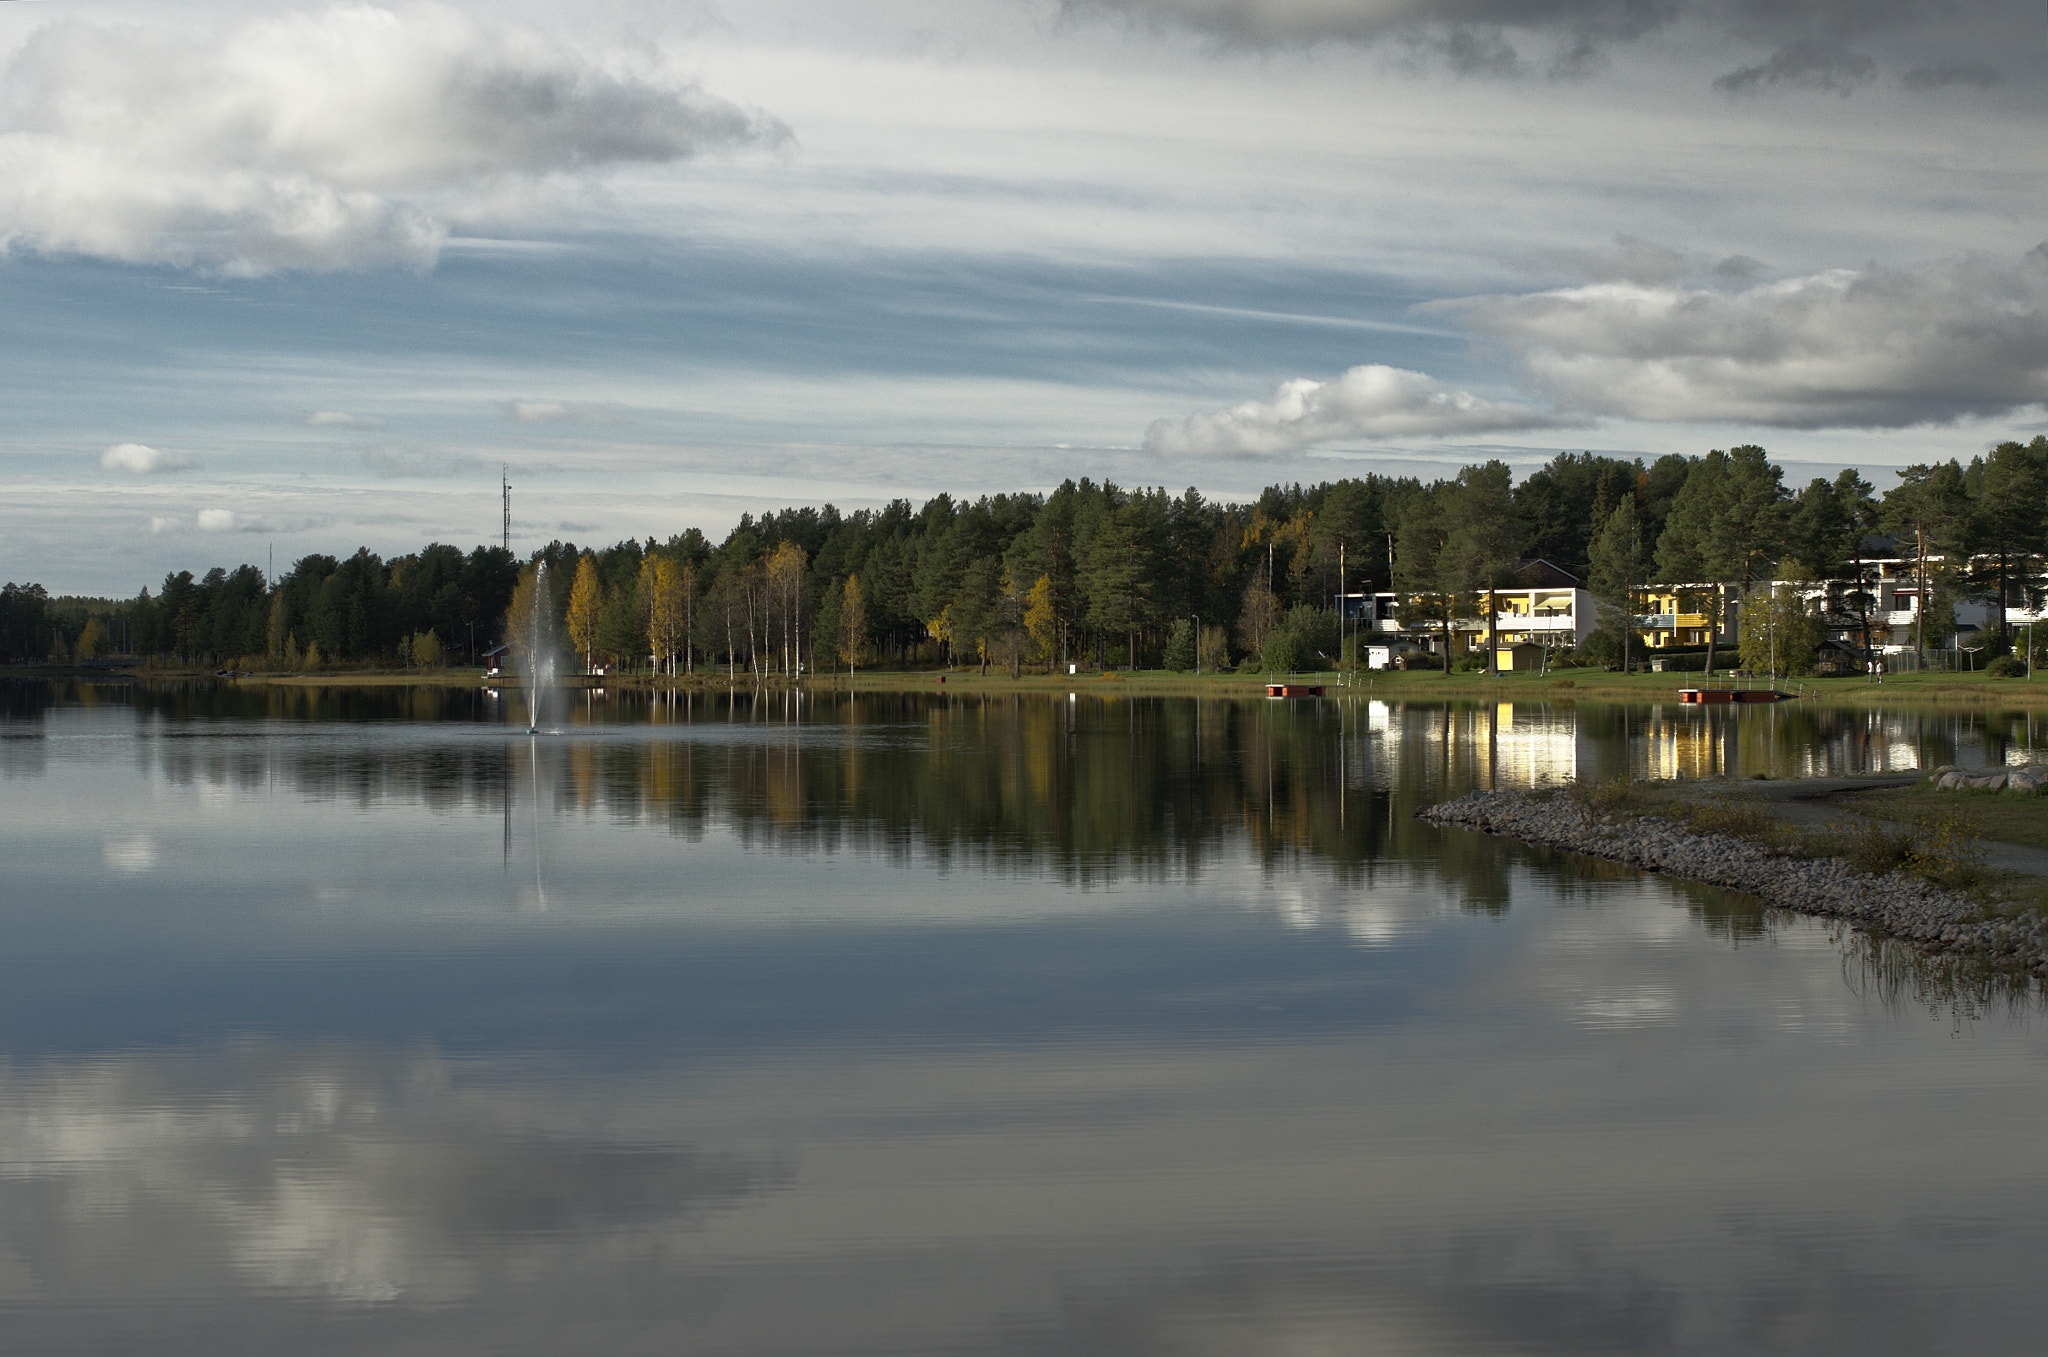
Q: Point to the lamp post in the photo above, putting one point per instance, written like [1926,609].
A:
[1196,618]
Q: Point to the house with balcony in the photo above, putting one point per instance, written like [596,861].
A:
[1888,598]
[1683,614]
[1544,611]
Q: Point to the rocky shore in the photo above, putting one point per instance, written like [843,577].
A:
[1936,920]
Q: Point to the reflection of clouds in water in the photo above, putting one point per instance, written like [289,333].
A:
[355,1179]
[1383,914]
[129,856]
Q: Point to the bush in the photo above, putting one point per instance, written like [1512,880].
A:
[1315,629]
[1603,648]
[1283,653]
[2007,666]
[1942,849]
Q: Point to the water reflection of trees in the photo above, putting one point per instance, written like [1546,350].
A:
[1093,786]
[1088,785]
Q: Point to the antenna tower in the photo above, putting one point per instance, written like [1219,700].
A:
[505,486]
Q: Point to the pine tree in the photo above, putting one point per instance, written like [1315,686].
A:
[1483,548]
[2010,512]
[1620,565]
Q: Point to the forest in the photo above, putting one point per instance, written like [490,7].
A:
[1089,573]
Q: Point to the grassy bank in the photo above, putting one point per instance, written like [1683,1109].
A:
[1996,816]
[1915,830]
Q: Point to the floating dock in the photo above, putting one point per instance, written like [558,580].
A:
[1713,696]
[1294,690]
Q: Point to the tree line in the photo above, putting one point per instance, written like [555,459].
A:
[1090,573]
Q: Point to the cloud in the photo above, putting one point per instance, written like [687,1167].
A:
[139,459]
[1868,348]
[1808,63]
[417,462]
[215,520]
[559,412]
[1940,75]
[1368,403]
[1631,259]
[1264,22]
[336,419]
[1808,42]
[321,139]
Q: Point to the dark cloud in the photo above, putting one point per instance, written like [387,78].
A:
[1815,44]
[1809,63]
[1849,348]
[1980,74]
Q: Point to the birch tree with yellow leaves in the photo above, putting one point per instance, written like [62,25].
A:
[586,609]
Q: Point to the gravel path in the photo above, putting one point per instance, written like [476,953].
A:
[1934,919]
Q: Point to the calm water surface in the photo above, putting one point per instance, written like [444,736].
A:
[360,1022]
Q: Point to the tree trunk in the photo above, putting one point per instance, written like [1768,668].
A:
[1492,634]
[1920,603]
[1720,610]
[1628,626]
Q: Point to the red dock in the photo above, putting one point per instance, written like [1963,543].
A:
[1294,690]
[1718,695]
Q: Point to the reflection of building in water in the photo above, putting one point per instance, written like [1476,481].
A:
[1507,744]
[1533,746]
[1681,743]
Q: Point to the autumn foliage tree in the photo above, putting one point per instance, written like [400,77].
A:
[586,610]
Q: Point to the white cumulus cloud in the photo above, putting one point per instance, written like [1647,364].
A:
[215,520]
[318,139]
[1366,403]
[341,419]
[1859,348]
[139,459]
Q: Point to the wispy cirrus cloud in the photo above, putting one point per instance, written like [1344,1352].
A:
[341,419]
[560,412]
[320,139]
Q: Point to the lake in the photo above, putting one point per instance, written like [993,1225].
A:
[356,1020]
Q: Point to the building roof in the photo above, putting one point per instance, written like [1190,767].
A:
[1534,572]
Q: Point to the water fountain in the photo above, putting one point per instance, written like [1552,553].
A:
[537,656]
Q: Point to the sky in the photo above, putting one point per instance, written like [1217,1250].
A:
[280,278]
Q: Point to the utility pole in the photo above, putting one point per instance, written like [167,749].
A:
[505,488]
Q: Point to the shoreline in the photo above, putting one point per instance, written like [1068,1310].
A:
[1593,686]
[1936,920]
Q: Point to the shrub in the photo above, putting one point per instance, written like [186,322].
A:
[2007,666]
[1315,629]
[1942,850]
[1603,648]
[1283,653]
